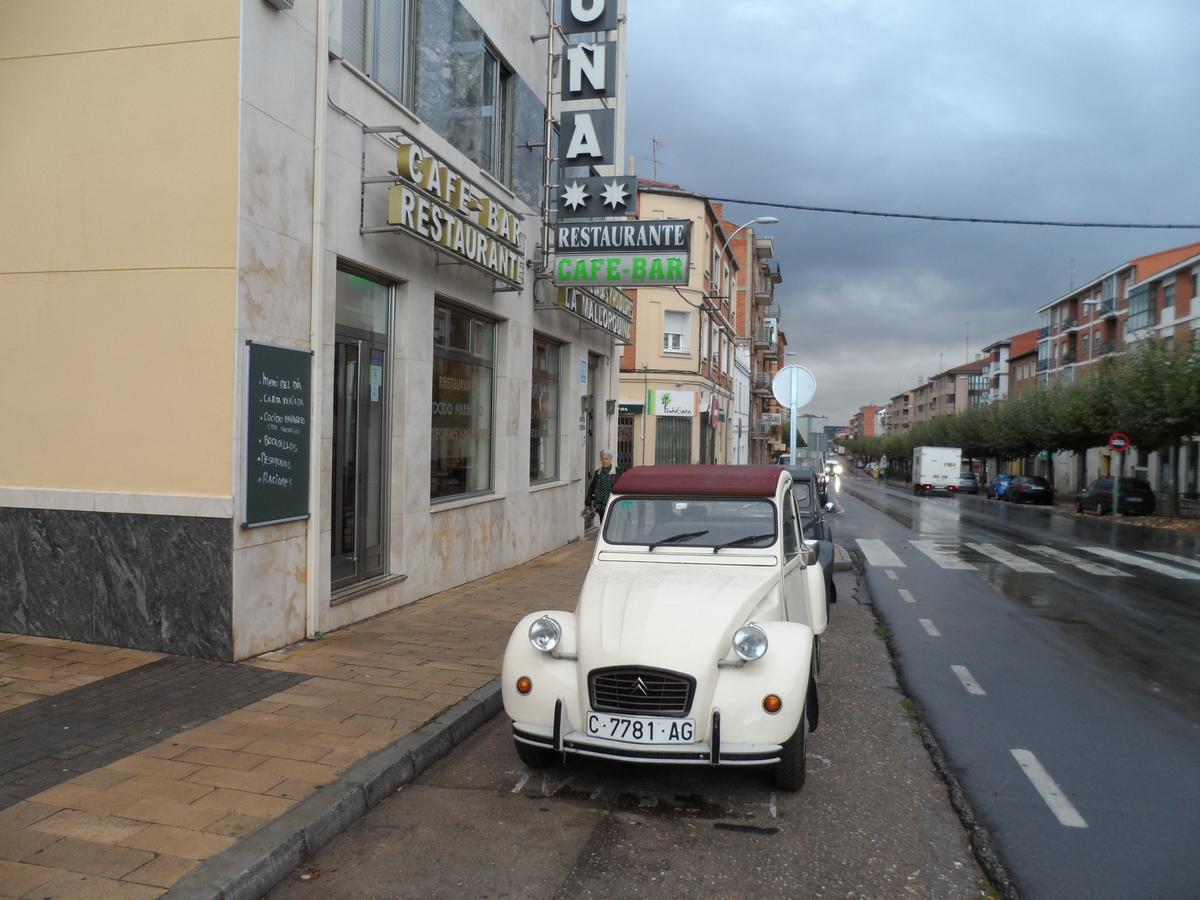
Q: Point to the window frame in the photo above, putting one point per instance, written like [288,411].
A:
[369,68]
[683,335]
[554,380]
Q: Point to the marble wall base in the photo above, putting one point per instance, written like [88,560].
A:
[160,583]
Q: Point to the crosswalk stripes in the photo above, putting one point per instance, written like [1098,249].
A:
[878,553]
[1174,558]
[1093,568]
[1008,559]
[945,555]
[1150,564]
[941,557]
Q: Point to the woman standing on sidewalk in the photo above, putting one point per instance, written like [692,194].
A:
[600,485]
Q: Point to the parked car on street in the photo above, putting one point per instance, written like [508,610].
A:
[1135,497]
[695,640]
[968,483]
[1030,489]
[999,486]
[817,530]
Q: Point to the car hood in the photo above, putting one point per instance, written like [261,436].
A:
[678,617]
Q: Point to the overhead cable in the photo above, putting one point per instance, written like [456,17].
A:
[979,220]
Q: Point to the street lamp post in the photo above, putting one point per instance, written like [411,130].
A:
[757,220]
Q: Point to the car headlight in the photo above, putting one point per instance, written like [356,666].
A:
[837,469]
[750,642]
[545,633]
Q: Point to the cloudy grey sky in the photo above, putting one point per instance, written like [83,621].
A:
[1079,110]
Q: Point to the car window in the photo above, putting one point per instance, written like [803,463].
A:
[706,521]
[1038,480]
[791,528]
[1137,484]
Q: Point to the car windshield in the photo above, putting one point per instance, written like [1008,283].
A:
[1136,484]
[691,522]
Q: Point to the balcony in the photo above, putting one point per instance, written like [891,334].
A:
[762,292]
[774,273]
[1067,358]
[1043,332]
[1043,365]
[764,247]
[761,383]
[1103,348]
[772,352]
[1070,324]
[771,311]
[763,338]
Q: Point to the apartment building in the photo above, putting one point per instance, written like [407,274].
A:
[1000,354]
[677,372]
[286,259]
[900,412]
[1152,294]
[864,423]
[953,391]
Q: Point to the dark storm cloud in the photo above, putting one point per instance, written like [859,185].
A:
[1066,110]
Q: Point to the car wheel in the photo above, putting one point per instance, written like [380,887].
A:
[1078,507]
[792,767]
[536,757]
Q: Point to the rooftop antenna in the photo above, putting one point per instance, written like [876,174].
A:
[655,143]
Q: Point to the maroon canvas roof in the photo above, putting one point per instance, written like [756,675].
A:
[700,481]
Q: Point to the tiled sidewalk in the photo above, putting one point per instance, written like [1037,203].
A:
[134,827]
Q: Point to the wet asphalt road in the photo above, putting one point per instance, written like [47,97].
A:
[873,819]
[1078,670]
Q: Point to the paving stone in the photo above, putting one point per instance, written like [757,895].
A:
[181,815]
[17,878]
[75,886]
[256,782]
[182,842]
[162,871]
[25,813]
[74,796]
[240,801]
[89,858]
[226,759]
[89,826]
[282,750]
[162,789]
[18,843]
[306,771]
[236,824]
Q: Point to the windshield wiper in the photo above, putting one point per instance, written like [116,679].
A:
[678,537]
[744,540]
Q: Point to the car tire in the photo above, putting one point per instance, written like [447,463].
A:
[792,767]
[1078,507]
[536,757]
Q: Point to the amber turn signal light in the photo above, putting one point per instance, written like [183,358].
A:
[772,703]
[524,685]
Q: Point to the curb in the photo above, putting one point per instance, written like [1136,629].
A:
[841,559]
[254,865]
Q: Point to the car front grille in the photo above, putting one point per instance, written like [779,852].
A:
[640,691]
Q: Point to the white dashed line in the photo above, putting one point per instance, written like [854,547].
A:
[1013,562]
[930,628]
[521,782]
[968,680]
[1173,558]
[892,575]
[1050,792]
[878,553]
[774,806]
[907,595]
[1150,564]
[941,557]
[1078,562]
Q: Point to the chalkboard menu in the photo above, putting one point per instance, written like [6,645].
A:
[279,413]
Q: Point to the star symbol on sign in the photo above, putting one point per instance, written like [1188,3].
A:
[575,195]
[615,194]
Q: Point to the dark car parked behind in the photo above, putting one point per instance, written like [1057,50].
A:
[999,484]
[816,528]
[1135,497]
[1030,489]
[968,483]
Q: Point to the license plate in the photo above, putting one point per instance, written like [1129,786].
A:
[641,729]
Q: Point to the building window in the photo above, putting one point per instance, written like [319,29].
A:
[543,414]
[675,331]
[495,117]
[1141,309]
[463,384]
[1168,295]
[376,39]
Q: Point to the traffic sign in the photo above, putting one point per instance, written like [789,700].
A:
[1119,442]
[794,386]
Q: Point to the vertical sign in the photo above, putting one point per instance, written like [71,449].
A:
[278,423]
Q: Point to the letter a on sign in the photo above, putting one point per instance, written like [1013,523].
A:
[589,15]
[590,137]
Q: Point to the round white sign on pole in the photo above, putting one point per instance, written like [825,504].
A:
[805,386]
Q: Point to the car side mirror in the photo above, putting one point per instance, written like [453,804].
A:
[829,506]
[808,556]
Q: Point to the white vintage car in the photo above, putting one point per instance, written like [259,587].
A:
[696,636]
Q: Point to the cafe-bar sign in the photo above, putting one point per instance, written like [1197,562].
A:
[434,203]
[641,253]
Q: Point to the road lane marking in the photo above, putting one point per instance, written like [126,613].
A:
[1173,558]
[1078,562]
[521,782]
[878,553]
[968,681]
[940,556]
[1150,564]
[892,575]
[1013,562]
[930,628]
[907,595]
[1050,792]
[774,806]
